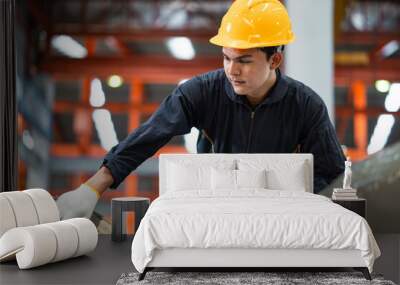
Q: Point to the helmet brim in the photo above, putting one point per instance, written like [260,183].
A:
[231,43]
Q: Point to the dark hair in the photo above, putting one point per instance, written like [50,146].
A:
[270,51]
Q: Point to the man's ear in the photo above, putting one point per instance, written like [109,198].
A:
[276,60]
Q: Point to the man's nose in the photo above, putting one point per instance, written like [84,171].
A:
[233,68]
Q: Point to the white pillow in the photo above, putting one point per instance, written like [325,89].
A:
[251,178]
[289,175]
[293,181]
[193,174]
[223,179]
[181,177]
[235,179]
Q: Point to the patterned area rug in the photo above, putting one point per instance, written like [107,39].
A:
[230,278]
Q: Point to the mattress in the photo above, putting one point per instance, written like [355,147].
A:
[250,219]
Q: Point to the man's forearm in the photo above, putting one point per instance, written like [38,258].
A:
[101,180]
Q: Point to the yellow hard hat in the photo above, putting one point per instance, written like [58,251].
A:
[254,23]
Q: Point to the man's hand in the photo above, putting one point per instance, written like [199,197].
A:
[78,203]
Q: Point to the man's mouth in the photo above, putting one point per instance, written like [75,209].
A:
[237,82]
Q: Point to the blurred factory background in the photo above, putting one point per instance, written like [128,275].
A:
[90,71]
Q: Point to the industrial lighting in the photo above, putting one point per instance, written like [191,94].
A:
[191,140]
[181,48]
[392,101]
[385,122]
[97,98]
[28,140]
[115,81]
[105,128]
[382,86]
[68,46]
[381,133]
[358,20]
[390,48]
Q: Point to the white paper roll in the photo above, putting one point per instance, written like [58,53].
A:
[10,244]
[23,208]
[40,244]
[34,245]
[67,240]
[7,218]
[45,205]
[87,234]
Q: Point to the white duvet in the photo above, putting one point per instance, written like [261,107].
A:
[252,218]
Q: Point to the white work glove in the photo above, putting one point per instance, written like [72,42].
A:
[78,203]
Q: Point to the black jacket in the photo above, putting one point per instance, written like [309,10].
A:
[292,118]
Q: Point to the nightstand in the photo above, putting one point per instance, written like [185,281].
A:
[358,206]
[120,205]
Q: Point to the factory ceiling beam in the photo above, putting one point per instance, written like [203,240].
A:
[349,111]
[366,38]
[94,150]
[116,108]
[70,165]
[148,109]
[158,68]
[344,75]
[101,31]
[151,68]
[122,47]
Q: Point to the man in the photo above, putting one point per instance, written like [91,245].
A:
[248,107]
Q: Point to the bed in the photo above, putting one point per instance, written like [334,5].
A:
[245,211]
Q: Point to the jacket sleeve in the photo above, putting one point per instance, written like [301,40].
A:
[319,138]
[177,114]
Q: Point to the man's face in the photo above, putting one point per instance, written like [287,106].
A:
[247,69]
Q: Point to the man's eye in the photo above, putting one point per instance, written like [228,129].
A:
[244,61]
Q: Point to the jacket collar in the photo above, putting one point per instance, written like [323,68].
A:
[275,94]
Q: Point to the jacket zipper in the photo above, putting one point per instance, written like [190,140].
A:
[250,131]
[209,139]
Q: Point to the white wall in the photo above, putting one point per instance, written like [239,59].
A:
[309,58]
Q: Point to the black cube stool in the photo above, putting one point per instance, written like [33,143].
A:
[139,205]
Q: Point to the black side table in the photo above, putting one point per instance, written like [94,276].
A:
[139,205]
[358,206]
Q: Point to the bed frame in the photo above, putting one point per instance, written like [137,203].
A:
[246,259]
